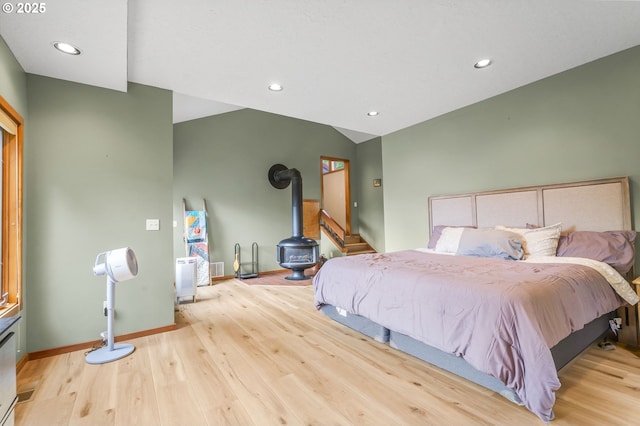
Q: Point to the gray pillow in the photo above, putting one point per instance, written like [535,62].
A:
[491,243]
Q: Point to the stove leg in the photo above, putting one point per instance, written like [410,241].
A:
[297,275]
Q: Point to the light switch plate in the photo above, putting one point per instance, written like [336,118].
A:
[153,224]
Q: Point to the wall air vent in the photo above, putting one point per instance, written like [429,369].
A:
[217,269]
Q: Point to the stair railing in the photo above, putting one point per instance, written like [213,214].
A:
[332,227]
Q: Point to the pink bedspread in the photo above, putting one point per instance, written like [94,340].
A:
[501,316]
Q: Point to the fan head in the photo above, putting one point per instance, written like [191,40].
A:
[119,265]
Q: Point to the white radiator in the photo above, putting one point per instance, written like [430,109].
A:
[186,272]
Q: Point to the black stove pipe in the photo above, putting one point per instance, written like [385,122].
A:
[293,176]
[279,177]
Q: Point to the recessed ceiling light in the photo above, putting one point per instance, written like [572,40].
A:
[66,48]
[275,87]
[372,113]
[482,63]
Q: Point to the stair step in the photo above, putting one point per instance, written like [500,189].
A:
[352,253]
[352,239]
[358,248]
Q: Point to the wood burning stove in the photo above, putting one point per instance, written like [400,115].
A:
[297,252]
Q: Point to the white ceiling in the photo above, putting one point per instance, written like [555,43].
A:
[411,60]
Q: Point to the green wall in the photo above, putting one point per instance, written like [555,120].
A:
[580,124]
[98,163]
[370,199]
[13,81]
[225,159]
[13,88]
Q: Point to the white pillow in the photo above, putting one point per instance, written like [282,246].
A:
[449,240]
[538,241]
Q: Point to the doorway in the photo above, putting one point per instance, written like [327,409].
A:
[335,193]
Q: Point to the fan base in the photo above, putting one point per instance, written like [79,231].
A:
[104,355]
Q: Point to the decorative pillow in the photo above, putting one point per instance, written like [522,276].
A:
[613,247]
[481,243]
[437,231]
[538,241]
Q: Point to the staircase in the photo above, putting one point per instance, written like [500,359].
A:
[349,244]
[354,244]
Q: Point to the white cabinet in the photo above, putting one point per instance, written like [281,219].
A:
[8,395]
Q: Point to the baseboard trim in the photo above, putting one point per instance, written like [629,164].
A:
[230,277]
[215,280]
[72,348]
[21,362]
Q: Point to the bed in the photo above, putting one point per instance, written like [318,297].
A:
[512,285]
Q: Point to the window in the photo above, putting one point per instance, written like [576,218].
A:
[329,165]
[11,131]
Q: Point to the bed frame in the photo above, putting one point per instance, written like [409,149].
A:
[595,205]
[357,322]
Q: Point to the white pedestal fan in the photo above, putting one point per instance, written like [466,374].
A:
[118,265]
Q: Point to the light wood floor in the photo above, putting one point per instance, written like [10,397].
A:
[262,355]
